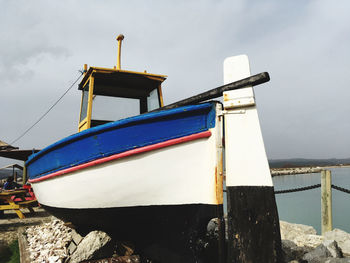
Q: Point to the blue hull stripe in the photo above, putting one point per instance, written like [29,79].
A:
[120,136]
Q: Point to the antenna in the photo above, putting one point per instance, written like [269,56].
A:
[119,39]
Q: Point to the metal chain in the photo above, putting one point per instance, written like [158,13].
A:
[298,189]
[341,189]
[311,187]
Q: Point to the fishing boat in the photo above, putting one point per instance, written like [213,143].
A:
[147,173]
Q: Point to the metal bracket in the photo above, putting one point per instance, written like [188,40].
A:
[239,98]
[226,112]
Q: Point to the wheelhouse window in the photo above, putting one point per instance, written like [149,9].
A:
[107,109]
[153,100]
[113,102]
[84,103]
[113,108]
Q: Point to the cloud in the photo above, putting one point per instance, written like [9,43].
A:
[24,40]
[303,45]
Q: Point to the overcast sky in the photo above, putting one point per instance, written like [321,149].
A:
[304,45]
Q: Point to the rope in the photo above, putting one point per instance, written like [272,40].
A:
[31,127]
[298,189]
[341,189]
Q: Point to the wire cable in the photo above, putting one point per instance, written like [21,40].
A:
[42,116]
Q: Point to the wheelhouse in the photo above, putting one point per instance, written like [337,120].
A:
[112,94]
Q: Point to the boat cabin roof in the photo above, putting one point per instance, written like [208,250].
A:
[121,83]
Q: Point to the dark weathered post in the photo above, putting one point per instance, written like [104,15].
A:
[253,224]
[326,201]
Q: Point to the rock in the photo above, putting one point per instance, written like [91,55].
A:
[213,228]
[333,248]
[342,238]
[47,242]
[320,252]
[290,231]
[76,237]
[53,259]
[298,170]
[336,260]
[308,240]
[71,248]
[301,235]
[95,245]
[324,253]
[292,252]
[298,241]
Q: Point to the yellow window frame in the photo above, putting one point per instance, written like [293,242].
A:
[86,122]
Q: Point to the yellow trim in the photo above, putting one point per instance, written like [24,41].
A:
[86,81]
[85,69]
[127,71]
[86,123]
[91,92]
[81,108]
[155,78]
[92,70]
[160,93]
[83,125]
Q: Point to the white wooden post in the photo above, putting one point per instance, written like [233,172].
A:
[253,224]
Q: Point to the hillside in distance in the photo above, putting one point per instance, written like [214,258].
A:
[302,162]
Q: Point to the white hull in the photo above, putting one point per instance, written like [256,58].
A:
[180,174]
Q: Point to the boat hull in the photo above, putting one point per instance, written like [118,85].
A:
[170,175]
[157,189]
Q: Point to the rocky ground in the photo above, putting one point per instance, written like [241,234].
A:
[9,223]
[49,240]
[302,244]
[297,170]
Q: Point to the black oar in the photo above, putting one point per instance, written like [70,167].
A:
[217,92]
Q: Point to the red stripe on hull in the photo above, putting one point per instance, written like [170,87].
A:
[148,148]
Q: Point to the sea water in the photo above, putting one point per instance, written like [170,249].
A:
[305,207]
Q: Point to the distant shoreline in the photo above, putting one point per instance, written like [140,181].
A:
[337,166]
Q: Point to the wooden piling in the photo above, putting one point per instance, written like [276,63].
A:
[326,201]
[24,175]
[253,223]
